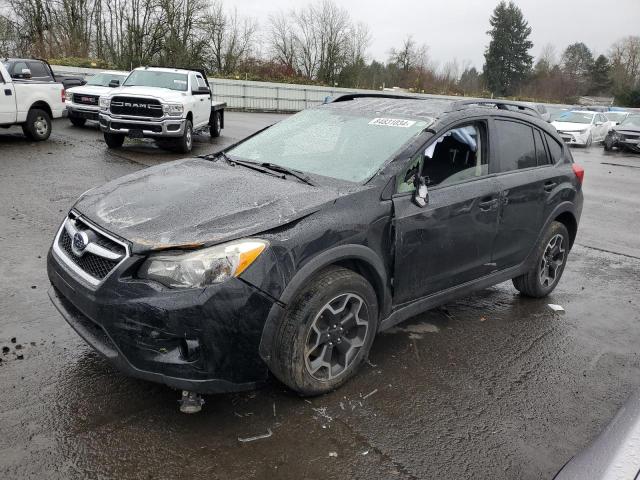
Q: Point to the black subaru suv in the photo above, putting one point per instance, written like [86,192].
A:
[290,250]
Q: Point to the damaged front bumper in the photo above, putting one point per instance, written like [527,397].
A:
[203,340]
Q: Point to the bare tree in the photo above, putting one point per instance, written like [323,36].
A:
[230,38]
[625,62]
[282,40]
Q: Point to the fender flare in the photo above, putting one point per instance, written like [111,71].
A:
[564,207]
[312,267]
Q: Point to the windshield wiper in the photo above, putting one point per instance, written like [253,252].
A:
[252,165]
[294,173]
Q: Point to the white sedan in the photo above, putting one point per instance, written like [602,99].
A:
[582,127]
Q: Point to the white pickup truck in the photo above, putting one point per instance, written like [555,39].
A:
[30,104]
[167,104]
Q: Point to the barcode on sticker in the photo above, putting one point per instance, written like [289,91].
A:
[392,122]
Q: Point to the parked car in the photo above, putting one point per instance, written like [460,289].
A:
[167,104]
[615,118]
[38,71]
[290,250]
[615,453]
[625,136]
[83,101]
[582,127]
[31,105]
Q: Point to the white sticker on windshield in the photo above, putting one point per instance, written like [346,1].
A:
[181,82]
[392,122]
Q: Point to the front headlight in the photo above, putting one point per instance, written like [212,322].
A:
[202,267]
[582,132]
[68,95]
[105,103]
[173,110]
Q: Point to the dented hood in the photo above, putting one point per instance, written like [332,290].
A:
[196,202]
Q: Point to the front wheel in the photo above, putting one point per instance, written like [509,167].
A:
[326,332]
[113,140]
[589,141]
[185,143]
[38,125]
[551,258]
[608,144]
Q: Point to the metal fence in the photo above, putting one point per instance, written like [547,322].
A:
[259,96]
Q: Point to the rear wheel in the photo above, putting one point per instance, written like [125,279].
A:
[551,258]
[185,143]
[326,332]
[38,125]
[78,122]
[113,140]
[216,127]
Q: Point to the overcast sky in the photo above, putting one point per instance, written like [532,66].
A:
[457,28]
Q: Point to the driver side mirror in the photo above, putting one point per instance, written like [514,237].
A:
[202,91]
[25,73]
[421,193]
[598,124]
[114,83]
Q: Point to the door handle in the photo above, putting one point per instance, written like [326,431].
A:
[549,186]
[487,203]
[7,91]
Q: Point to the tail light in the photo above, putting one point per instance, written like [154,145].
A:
[579,171]
[64,97]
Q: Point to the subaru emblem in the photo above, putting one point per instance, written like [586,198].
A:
[79,243]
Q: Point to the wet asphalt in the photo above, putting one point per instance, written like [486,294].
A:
[492,386]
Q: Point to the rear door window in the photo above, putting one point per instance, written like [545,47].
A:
[516,147]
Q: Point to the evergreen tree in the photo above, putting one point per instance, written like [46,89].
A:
[601,75]
[577,63]
[507,59]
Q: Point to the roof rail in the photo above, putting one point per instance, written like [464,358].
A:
[499,104]
[352,96]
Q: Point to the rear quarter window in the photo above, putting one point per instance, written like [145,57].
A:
[555,149]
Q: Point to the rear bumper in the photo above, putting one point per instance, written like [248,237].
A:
[199,340]
[144,128]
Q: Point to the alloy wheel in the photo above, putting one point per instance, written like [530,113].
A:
[552,260]
[335,337]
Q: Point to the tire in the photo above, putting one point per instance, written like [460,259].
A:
[113,140]
[589,141]
[307,332]
[551,258]
[608,144]
[216,127]
[38,125]
[77,121]
[185,143]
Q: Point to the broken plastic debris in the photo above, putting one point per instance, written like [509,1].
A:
[366,452]
[369,394]
[333,454]
[257,437]
[556,308]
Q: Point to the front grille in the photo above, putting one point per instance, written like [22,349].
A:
[136,126]
[93,263]
[85,99]
[137,107]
